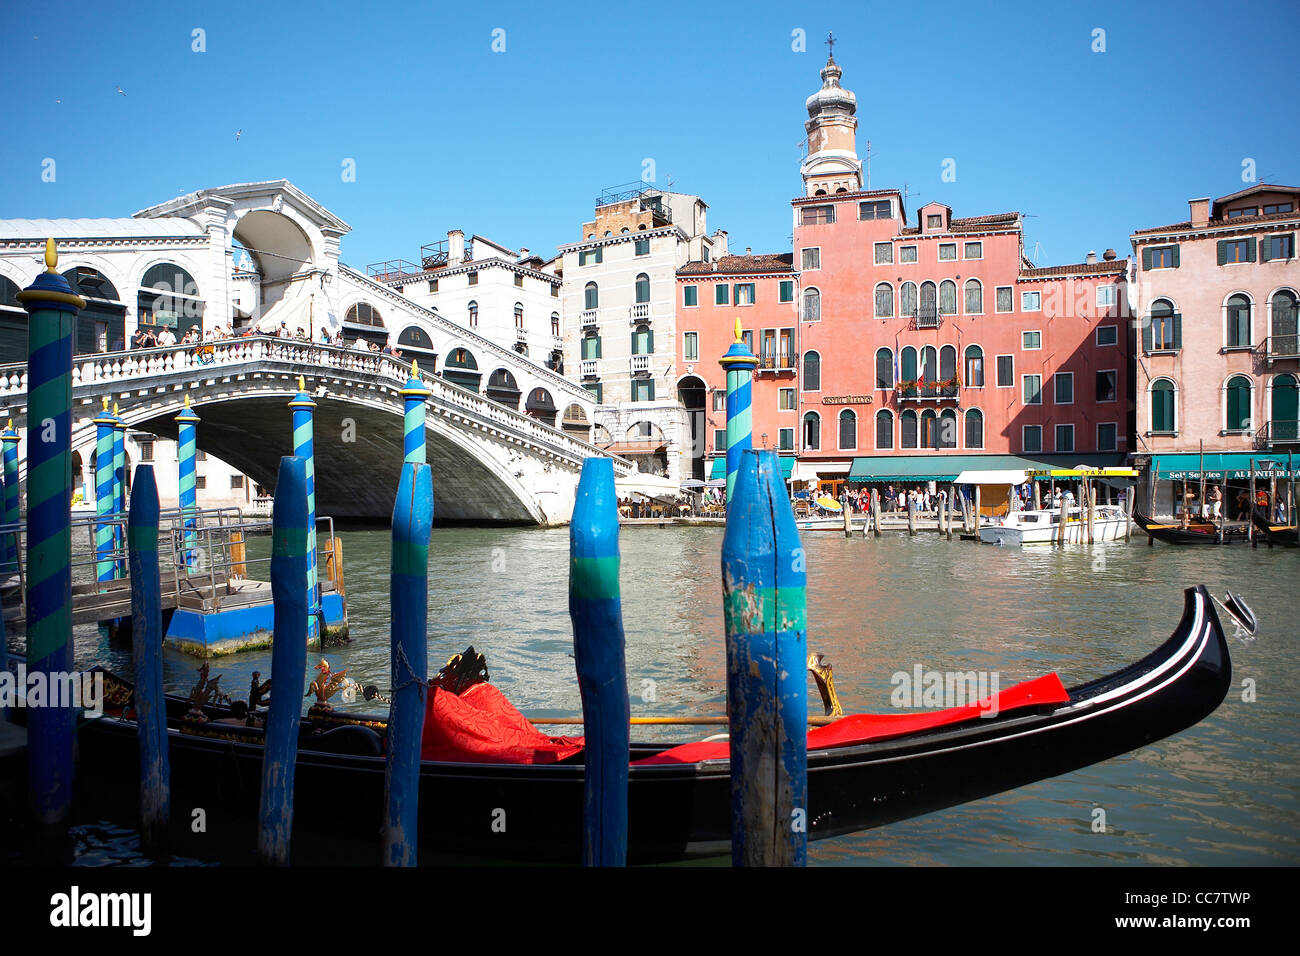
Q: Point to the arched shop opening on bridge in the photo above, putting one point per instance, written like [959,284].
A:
[415,343]
[363,321]
[169,298]
[501,388]
[461,368]
[541,406]
[576,423]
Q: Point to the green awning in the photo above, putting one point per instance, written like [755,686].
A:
[1235,464]
[948,467]
[719,468]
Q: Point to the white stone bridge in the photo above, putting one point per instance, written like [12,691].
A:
[490,462]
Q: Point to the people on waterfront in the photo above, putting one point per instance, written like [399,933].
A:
[1243,505]
[1214,503]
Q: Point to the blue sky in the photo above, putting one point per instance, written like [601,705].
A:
[446,133]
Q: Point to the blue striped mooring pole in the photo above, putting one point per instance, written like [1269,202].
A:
[739,363]
[10,438]
[119,489]
[288,660]
[146,652]
[409,597]
[763,591]
[105,529]
[186,448]
[596,611]
[304,448]
[52,308]
[416,395]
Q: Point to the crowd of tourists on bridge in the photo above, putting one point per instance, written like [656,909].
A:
[162,336]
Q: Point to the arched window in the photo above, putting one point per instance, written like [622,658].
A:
[812,372]
[461,369]
[884,429]
[473,314]
[1238,315]
[168,296]
[812,432]
[591,297]
[541,406]
[555,323]
[947,297]
[812,305]
[1284,425]
[929,364]
[907,429]
[1282,324]
[929,307]
[974,367]
[1162,406]
[884,368]
[948,363]
[884,300]
[947,429]
[101,326]
[848,429]
[501,388]
[1238,404]
[929,429]
[363,313]
[643,340]
[519,315]
[643,288]
[590,345]
[1164,331]
[415,339]
[907,360]
[974,429]
[974,297]
[907,299]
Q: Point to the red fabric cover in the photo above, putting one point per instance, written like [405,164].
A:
[861,728]
[481,726]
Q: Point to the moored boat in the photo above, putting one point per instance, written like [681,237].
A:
[1195,531]
[1042,527]
[1283,534]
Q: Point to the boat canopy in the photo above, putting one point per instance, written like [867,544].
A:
[992,477]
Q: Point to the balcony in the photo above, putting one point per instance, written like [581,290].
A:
[1281,347]
[927,391]
[1277,432]
[521,335]
[434,255]
[590,369]
[640,364]
[557,342]
[927,317]
[777,364]
[640,312]
[590,319]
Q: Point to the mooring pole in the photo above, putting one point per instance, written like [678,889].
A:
[416,396]
[764,579]
[13,541]
[146,652]
[739,363]
[304,448]
[105,529]
[596,610]
[408,633]
[52,310]
[186,449]
[119,491]
[288,660]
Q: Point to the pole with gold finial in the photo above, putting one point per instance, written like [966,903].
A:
[416,394]
[105,503]
[52,309]
[10,438]
[119,489]
[186,452]
[303,447]
[739,363]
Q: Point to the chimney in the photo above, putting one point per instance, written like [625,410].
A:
[1200,212]
[749,251]
[1109,255]
[523,253]
[1090,258]
[455,246]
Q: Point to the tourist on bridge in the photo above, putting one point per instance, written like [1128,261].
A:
[166,338]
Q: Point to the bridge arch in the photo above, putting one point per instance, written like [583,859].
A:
[281,248]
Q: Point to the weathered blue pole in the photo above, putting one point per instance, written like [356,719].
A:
[105,530]
[416,395]
[10,438]
[409,597]
[763,588]
[52,308]
[598,652]
[288,660]
[146,652]
[739,363]
[304,448]
[119,489]
[186,447]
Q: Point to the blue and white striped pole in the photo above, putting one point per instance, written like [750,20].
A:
[739,363]
[105,533]
[416,395]
[10,439]
[119,489]
[186,446]
[303,447]
[52,309]
[764,584]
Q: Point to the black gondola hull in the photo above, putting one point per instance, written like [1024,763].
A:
[1198,533]
[1285,536]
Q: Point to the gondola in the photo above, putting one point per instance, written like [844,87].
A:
[1197,531]
[678,797]
[1284,535]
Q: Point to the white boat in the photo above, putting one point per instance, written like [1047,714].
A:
[831,523]
[1040,527]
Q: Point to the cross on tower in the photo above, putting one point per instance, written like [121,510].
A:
[830,45]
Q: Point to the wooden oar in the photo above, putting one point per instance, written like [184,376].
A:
[815,720]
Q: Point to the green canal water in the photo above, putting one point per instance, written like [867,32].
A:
[1225,792]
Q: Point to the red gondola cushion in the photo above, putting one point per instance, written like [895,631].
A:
[481,726]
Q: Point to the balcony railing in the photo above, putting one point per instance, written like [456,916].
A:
[639,312]
[433,255]
[590,368]
[928,317]
[392,269]
[1279,431]
[590,318]
[1282,347]
[521,335]
[777,363]
[640,364]
[929,391]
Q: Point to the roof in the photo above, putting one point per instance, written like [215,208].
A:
[98,228]
[980,223]
[192,203]
[739,265]
[1257,188]
[1186,224]
[1100,267]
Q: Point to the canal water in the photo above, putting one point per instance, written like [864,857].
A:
[1225,792]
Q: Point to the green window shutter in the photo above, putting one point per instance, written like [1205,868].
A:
[1266,249]
[720,294]
[634,351]
[1147,338]
[1250,250]
[650,342]
[650,390]
[691,297]
[1175,256]
[1146,258]
[1223,251]
[1178,330]
[598,355]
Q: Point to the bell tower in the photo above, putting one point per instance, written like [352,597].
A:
[832,164]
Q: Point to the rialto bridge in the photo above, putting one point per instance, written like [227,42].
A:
[506,435]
